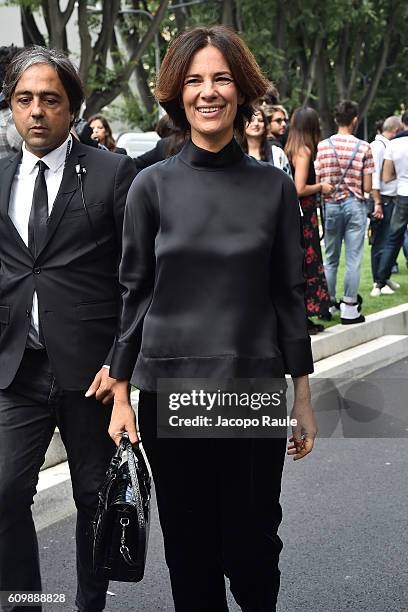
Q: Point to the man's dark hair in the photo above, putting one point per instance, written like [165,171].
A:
[404,117]
[345,112]
[53,57]
[6,55]
[271,96]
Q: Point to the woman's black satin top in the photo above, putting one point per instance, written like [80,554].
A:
[211,272]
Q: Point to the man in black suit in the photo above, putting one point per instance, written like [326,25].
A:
[61,212]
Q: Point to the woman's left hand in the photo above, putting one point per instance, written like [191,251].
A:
[123,417]
[304,432]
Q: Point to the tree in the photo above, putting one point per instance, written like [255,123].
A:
[319,52]
[316,52]
[105,67]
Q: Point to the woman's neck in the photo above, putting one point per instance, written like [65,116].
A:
[212,142]
[254,147]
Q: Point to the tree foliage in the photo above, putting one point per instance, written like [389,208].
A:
[316,52]
[324,52]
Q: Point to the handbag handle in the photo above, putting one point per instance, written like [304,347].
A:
[125,445]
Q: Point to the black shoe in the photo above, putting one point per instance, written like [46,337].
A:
[359,319]
[314,328]
[359,302]
[325,316]
[334,308]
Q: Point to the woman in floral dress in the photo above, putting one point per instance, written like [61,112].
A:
[304,136]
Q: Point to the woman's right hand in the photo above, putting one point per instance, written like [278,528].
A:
[123,417]
[326,188]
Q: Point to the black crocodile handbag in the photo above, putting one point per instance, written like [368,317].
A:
[122,520]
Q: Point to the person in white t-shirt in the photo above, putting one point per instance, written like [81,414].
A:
[384,196]
[395,167]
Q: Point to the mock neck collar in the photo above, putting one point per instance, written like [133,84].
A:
[201,158]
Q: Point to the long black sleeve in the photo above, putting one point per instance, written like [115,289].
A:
[288,286]
[136,275]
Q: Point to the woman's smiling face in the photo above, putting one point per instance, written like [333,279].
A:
[210,99]
[255,127]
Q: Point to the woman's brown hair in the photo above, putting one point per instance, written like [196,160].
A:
[264,147]
[110,142]
[246,73]
[304,131]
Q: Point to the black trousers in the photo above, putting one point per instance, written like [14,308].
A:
[219,511]
[29,411]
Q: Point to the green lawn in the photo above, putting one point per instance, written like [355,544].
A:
[373,304]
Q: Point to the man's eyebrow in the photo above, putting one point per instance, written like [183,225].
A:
[27,92]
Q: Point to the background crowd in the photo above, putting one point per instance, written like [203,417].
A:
[348,189]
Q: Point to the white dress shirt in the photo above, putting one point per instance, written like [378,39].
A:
[378,147]
[21,198]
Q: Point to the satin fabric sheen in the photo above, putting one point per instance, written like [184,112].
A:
[212,271]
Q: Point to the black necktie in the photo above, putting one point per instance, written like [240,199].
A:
[37,223]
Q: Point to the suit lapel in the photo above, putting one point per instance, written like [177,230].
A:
[68,187]
[6,181]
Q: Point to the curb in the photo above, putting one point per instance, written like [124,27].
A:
[363,359]
[340,348]
[339,338]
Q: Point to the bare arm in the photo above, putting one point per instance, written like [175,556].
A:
[388,172]
[301,163]
[304,432]
[367,183]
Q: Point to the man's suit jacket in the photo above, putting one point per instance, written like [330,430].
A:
[158,153]
[74,274]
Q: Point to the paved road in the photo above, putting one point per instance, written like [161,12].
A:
[344,529]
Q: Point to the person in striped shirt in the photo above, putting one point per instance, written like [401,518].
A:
[347,163]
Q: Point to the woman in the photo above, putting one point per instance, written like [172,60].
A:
[304,136]
[212,289]
[101,131]
[256,143]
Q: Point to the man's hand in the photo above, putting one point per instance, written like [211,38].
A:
[103,387]
[123,419]
[326,188]
[378,211]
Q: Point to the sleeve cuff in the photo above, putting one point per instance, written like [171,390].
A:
[297,357]
[123,360]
